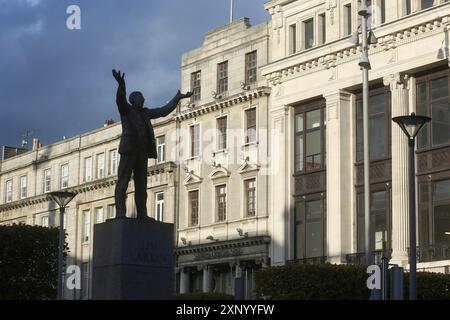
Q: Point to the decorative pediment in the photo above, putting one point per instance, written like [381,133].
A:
[219,172]
[192,178]
[247,167]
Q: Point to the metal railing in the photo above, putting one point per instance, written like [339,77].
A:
[359,258]
[433,253]
[312,260]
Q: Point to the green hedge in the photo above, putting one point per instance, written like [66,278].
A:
[336,282]
[28,262]
[203,296]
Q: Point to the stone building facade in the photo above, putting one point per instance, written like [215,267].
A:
[263,166]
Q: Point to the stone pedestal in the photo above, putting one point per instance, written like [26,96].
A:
[133,259]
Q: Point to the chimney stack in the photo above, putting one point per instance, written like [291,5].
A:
[36,144]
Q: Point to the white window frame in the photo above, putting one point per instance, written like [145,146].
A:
[216,203]
[88,169]
[159,207]
[8,191]
[98,210]
[86,228]
[100,165]
[245,211]
[246,141]
[23,186]
[221,148]
[191,151]
[64,181]
[45,221]
[161,149]
[47,180]
[113,162]
[111,208]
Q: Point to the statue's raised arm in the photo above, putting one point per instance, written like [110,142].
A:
[121,96]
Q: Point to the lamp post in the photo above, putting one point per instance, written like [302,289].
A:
[364,63]
[62,198]
[411,126]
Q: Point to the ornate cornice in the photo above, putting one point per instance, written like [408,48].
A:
[385,43]
[229,244]
[83,188]
[223,103]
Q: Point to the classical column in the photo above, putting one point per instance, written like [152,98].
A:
[184,280]
[398,84]
[281,144]
[339,175]
[207,279]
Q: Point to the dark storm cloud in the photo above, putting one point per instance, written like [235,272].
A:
[59,81]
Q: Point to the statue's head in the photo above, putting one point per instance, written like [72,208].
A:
[137,99]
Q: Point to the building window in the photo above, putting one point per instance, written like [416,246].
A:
[379,127]
[407,7]
[322,29]
[47,180]
[434,218]
[425,4]
[193,208]
[369,11]
[100,165]
[310,226]
[383,11]
[433,100]
[88,169]
[86,225]
[113,162]
[308,34]
[45,221]
[161,149]
[222,77]
[347,19]
[196,87]
[23,187]
[99,218]
[111,211]
[85,274]
[309,140]
[292,39]
[250,67]
[250,197]
[195,140]
[159,206]
[64,176]
[221,203]
[250,119]
[8,191]
[379,221]
[221,133]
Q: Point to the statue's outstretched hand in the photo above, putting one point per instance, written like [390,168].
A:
[120,78]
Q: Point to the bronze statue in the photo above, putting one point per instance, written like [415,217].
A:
[137,144]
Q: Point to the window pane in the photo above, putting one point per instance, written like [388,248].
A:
[299,153]
[377,104]
[422,92]
[441,190]
[377,138]
[298,122]
[314,239]
[427,4]
[440,122]
[313,210]
[359,131]
[309,33]
[439,88]
[441,224]
[361,231]
[313,144]
[313,119]
[298,242]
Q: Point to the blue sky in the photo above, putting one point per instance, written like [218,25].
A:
[58,81]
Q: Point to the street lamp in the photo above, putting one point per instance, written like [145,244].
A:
[62,198]
[411,126]
[364,63]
